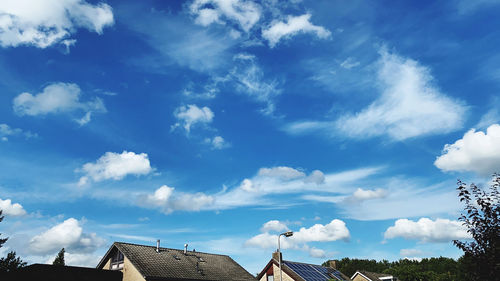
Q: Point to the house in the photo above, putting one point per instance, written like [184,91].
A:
[148,263]
[372,276]
[297,271]
[48,272]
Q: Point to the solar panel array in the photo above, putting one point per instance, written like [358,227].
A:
[314,272]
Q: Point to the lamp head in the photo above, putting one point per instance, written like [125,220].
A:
[288,233]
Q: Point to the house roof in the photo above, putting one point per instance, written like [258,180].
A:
[173,264]
[307,272]
[373,276]
[61,273]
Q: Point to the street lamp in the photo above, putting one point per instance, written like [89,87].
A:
[286,234]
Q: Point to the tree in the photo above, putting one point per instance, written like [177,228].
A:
[59,260]
[11,262]
[2,240]
[482,218]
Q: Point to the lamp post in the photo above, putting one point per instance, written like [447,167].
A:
[286,234]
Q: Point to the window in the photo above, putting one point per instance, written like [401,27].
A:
[270,277]
[116,261]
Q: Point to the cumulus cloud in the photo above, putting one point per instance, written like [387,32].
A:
[168,201]
[273,225]
[333,231]
[285,173]
[427,230]
[10,209]
[69,235]
[45,23]
[367,194]
[6,131]
[409,106]
[293,26]
[190,115]
[56,98]
[116,166]
[217,142]
[241,12]
[477,152]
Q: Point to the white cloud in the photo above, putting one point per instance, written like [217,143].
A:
[254,191]
[48,22]
[10,209]
[191,114]
[56,98]
[427,230]
[316,176]
[250,79]
[116,166]
[273,225]
[404,195]
[78,259]
[281,172]
[410,104]
[244,13]
[410,252]
[294,25]
[217,142]
[69,235]
[367,194]
[6,131]
[476,152]
[168,201]
[349,63]
[317,253]
[333,231]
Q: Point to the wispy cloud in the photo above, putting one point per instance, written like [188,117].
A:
[409,106]
[294,25]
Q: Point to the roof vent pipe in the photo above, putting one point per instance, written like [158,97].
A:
[185,248]
[158,245]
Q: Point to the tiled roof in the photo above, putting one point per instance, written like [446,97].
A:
[373,275]
[172,264]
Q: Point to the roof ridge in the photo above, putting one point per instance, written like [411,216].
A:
[308,264]
[180,250]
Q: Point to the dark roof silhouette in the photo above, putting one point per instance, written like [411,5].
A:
[173,264]
[47,272]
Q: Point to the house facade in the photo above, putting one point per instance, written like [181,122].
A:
[148,263]
[297,271]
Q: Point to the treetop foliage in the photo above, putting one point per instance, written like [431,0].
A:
[482,219]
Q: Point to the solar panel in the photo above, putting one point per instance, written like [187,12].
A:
[308,272]
[314,272]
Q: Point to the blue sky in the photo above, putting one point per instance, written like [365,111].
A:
[220,123]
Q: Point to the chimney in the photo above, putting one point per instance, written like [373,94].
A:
[332,264]
[276,256]
[158,245]
[185,249]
